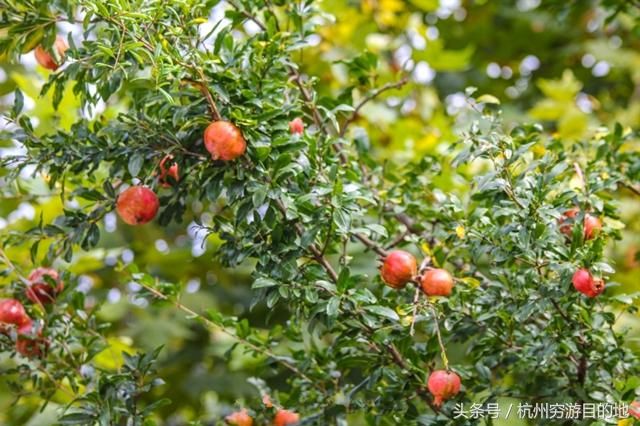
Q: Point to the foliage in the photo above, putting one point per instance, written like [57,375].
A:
[464,184]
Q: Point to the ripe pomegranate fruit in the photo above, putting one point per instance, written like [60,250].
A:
[172,171]
[436,282]
[634,409]
[285,418]
[224,141]
[39,290]
[46,59]
[586,284]
[137,205]
[443,385]
[296,126]
[239,418]
[591,224]
[12,313]
[29,343]
[398,268]
[266,400]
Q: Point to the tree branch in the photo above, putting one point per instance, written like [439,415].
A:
[371,96]
[158,294]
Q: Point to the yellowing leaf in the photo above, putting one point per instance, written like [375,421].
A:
[111,358]
[573,124]
[425,5]
[471,282]
[562,90]
[460,232]
[548,109]
[488,99]
[441,59]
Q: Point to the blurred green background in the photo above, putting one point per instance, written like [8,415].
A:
[568,65]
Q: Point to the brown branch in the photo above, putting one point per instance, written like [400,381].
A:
[201,86]
[158,294]
[630,187]
[371,244]
[416,299]
[317,253]
[371,96]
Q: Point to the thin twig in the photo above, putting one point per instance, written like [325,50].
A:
[317,253]
[371,96]
[416,299]
[207,94]
[234,336]
[630,187]
[443,352]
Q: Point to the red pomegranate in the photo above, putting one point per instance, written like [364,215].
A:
[172,171]
[296,126]
[39,289]
[137,205]
[224,141]
[12,313]
[634,409]
[30,342]
[46,59]
[437,282]
[586,284]
[239,418]
[591,224]
[443,385]
[285,418]
[398,268]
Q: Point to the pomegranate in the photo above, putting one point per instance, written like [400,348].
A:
[46,59]
[398,268]
[29,343]
[137,205]
[591,224]
[586,284]
[285,418]
[12,312]
[224,141]
[266,400]
[39,289]
[634,409]
[569,215]
[239,418]
[443,385]
[436,282]
[296,126]
[172,171]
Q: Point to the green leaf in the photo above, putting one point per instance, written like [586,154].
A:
[263,283]
[333,305]
[383,311]
[135,164]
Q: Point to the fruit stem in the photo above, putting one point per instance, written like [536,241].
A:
[443,352]
[416,299]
